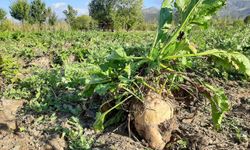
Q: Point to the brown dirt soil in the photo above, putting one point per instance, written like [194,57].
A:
[8,139]
[195,128]
[8,110]
[1,84]
[30,139]
[42,62]
[112,141]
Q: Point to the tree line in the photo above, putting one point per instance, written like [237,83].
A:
[35,12]
[103,14]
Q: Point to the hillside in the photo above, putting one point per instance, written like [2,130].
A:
[151,14]
[236,9]
[233,9]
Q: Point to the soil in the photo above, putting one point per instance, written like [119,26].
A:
[8,139]
[42,62]
[114,141]
[23,130]
[196,129]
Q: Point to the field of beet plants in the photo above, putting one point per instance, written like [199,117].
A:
[185,87]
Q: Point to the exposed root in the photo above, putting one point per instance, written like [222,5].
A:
[154,120]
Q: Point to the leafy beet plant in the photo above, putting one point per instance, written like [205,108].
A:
[163,69]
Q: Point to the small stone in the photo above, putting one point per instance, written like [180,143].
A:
[187,121]
[17,147]
[48,147]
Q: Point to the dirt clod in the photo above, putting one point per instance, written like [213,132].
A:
[8,109]
[57,143]
[42,62]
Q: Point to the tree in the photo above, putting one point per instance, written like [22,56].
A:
[127,14]
[52,18]
[247,20]
[70,14]
[83,22]
[116,14]
[20,10]
[38,12]
[102,10]
[2,14]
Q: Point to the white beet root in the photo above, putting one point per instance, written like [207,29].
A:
[154,120]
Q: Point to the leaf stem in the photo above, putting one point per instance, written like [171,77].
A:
[180,28]
[186,55]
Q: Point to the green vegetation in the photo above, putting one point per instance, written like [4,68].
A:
[2,14]
[84,22]
[38,12]
[20,10]
[116,14]
[105,15]
[128,14]
[122,76]
[70,14]
[61,72]
[101,11]
[56,84]
[247,20]
[71,64]
[52,18]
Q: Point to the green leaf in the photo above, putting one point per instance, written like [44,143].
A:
[182,4]
[239,61]
[97,79]
[154,54]
[165,21]
[124,80]
[100,117]
[204,12]
[128,70]
[89,90]
[102,89]
[219,105]
[115,119]
[99,123]
[180,46]
[189,12]
[118,54]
